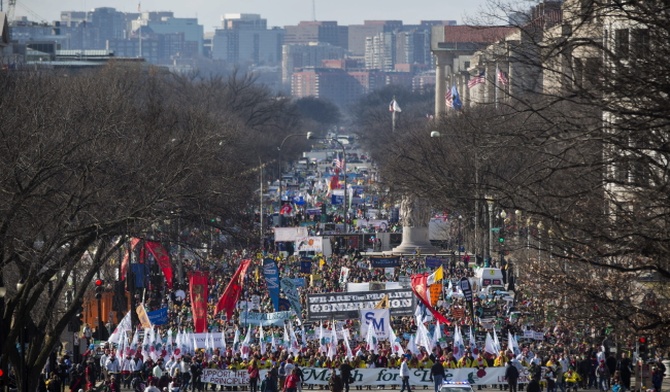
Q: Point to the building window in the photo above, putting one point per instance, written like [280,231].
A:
[640,44]
[621,43]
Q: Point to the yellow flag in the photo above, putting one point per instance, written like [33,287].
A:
[439,274]
[436,276]
[383,303]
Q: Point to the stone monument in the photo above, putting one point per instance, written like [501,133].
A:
[415,216]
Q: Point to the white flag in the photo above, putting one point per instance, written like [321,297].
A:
[332,347]
[261,339]
[371,340]
[345,336]
[395,344]
[394,107]
[490,346]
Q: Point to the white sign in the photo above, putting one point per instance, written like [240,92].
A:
[375,376]
[380,319]
[287,234]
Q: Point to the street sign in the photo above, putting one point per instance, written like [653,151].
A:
[495,229]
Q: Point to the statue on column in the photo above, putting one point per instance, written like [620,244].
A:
[415,215]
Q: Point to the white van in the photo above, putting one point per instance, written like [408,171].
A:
[488,277]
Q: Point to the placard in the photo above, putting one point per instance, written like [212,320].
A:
[343,306]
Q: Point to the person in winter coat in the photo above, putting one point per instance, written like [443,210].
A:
[511,376]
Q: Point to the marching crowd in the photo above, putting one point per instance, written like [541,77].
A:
[573,359]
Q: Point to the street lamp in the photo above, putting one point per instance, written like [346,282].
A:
[344,172]
[540,227]
[460,220]
[489,202]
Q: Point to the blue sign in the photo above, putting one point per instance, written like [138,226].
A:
[271,273]
[384,262]
[434,262]
[336,199]
[158,317]
[299,282]
[306,267]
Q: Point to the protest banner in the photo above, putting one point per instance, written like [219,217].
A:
[343,306]
[265,319]
[375,376]
[379,319]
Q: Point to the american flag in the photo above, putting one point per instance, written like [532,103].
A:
[449,99]
[481,78]
[502,78]
[338,163]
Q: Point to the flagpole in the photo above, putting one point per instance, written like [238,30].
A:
[496,87]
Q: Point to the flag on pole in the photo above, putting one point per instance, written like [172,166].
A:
[496,342]
[261,339]
[456,98]
[459,344]
[435,277]
[332,347]
[246,343]
[322,339]
[383,303]
[371,340]
[448,99]
[232,293]
[473,345]
[420,289]
[502,77]
[395,343]
[479,79]
[345,337]
[394,107]
[437,335]
[236,340]
[512,344]
[489,346]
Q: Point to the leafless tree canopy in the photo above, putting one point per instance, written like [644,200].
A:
[90,158]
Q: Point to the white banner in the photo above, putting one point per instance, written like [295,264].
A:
[265,319]
[309,244]
[286,234]
[380,320]
[377,376]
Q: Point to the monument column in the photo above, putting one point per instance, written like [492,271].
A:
[415,215]
[441,59]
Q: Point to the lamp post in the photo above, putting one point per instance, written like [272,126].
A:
[501,236]
[489,203]
[344,172]
[460,220]
[540,226]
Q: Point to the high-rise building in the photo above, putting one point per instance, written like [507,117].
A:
[359,33]
[245,39]
[317,31]
[107,24]
[307,55]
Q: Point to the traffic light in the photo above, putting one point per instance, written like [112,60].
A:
[99,287]
[501,240]
[642,346]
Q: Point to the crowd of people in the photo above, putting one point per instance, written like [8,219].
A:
[564,357]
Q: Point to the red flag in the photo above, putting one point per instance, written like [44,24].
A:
[126,261]
[233,291]
[199,293]
[419,287]
[162,258]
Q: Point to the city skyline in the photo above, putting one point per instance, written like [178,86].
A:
[277,12]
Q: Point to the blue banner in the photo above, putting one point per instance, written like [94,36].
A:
[337,199]
[139,274]
[158,317]
[434,262]
[299,282]
[306,267]
[383,262]
[271,273]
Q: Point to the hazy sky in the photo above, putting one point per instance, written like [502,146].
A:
[277,12]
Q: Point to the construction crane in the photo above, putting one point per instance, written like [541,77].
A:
[11,8]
